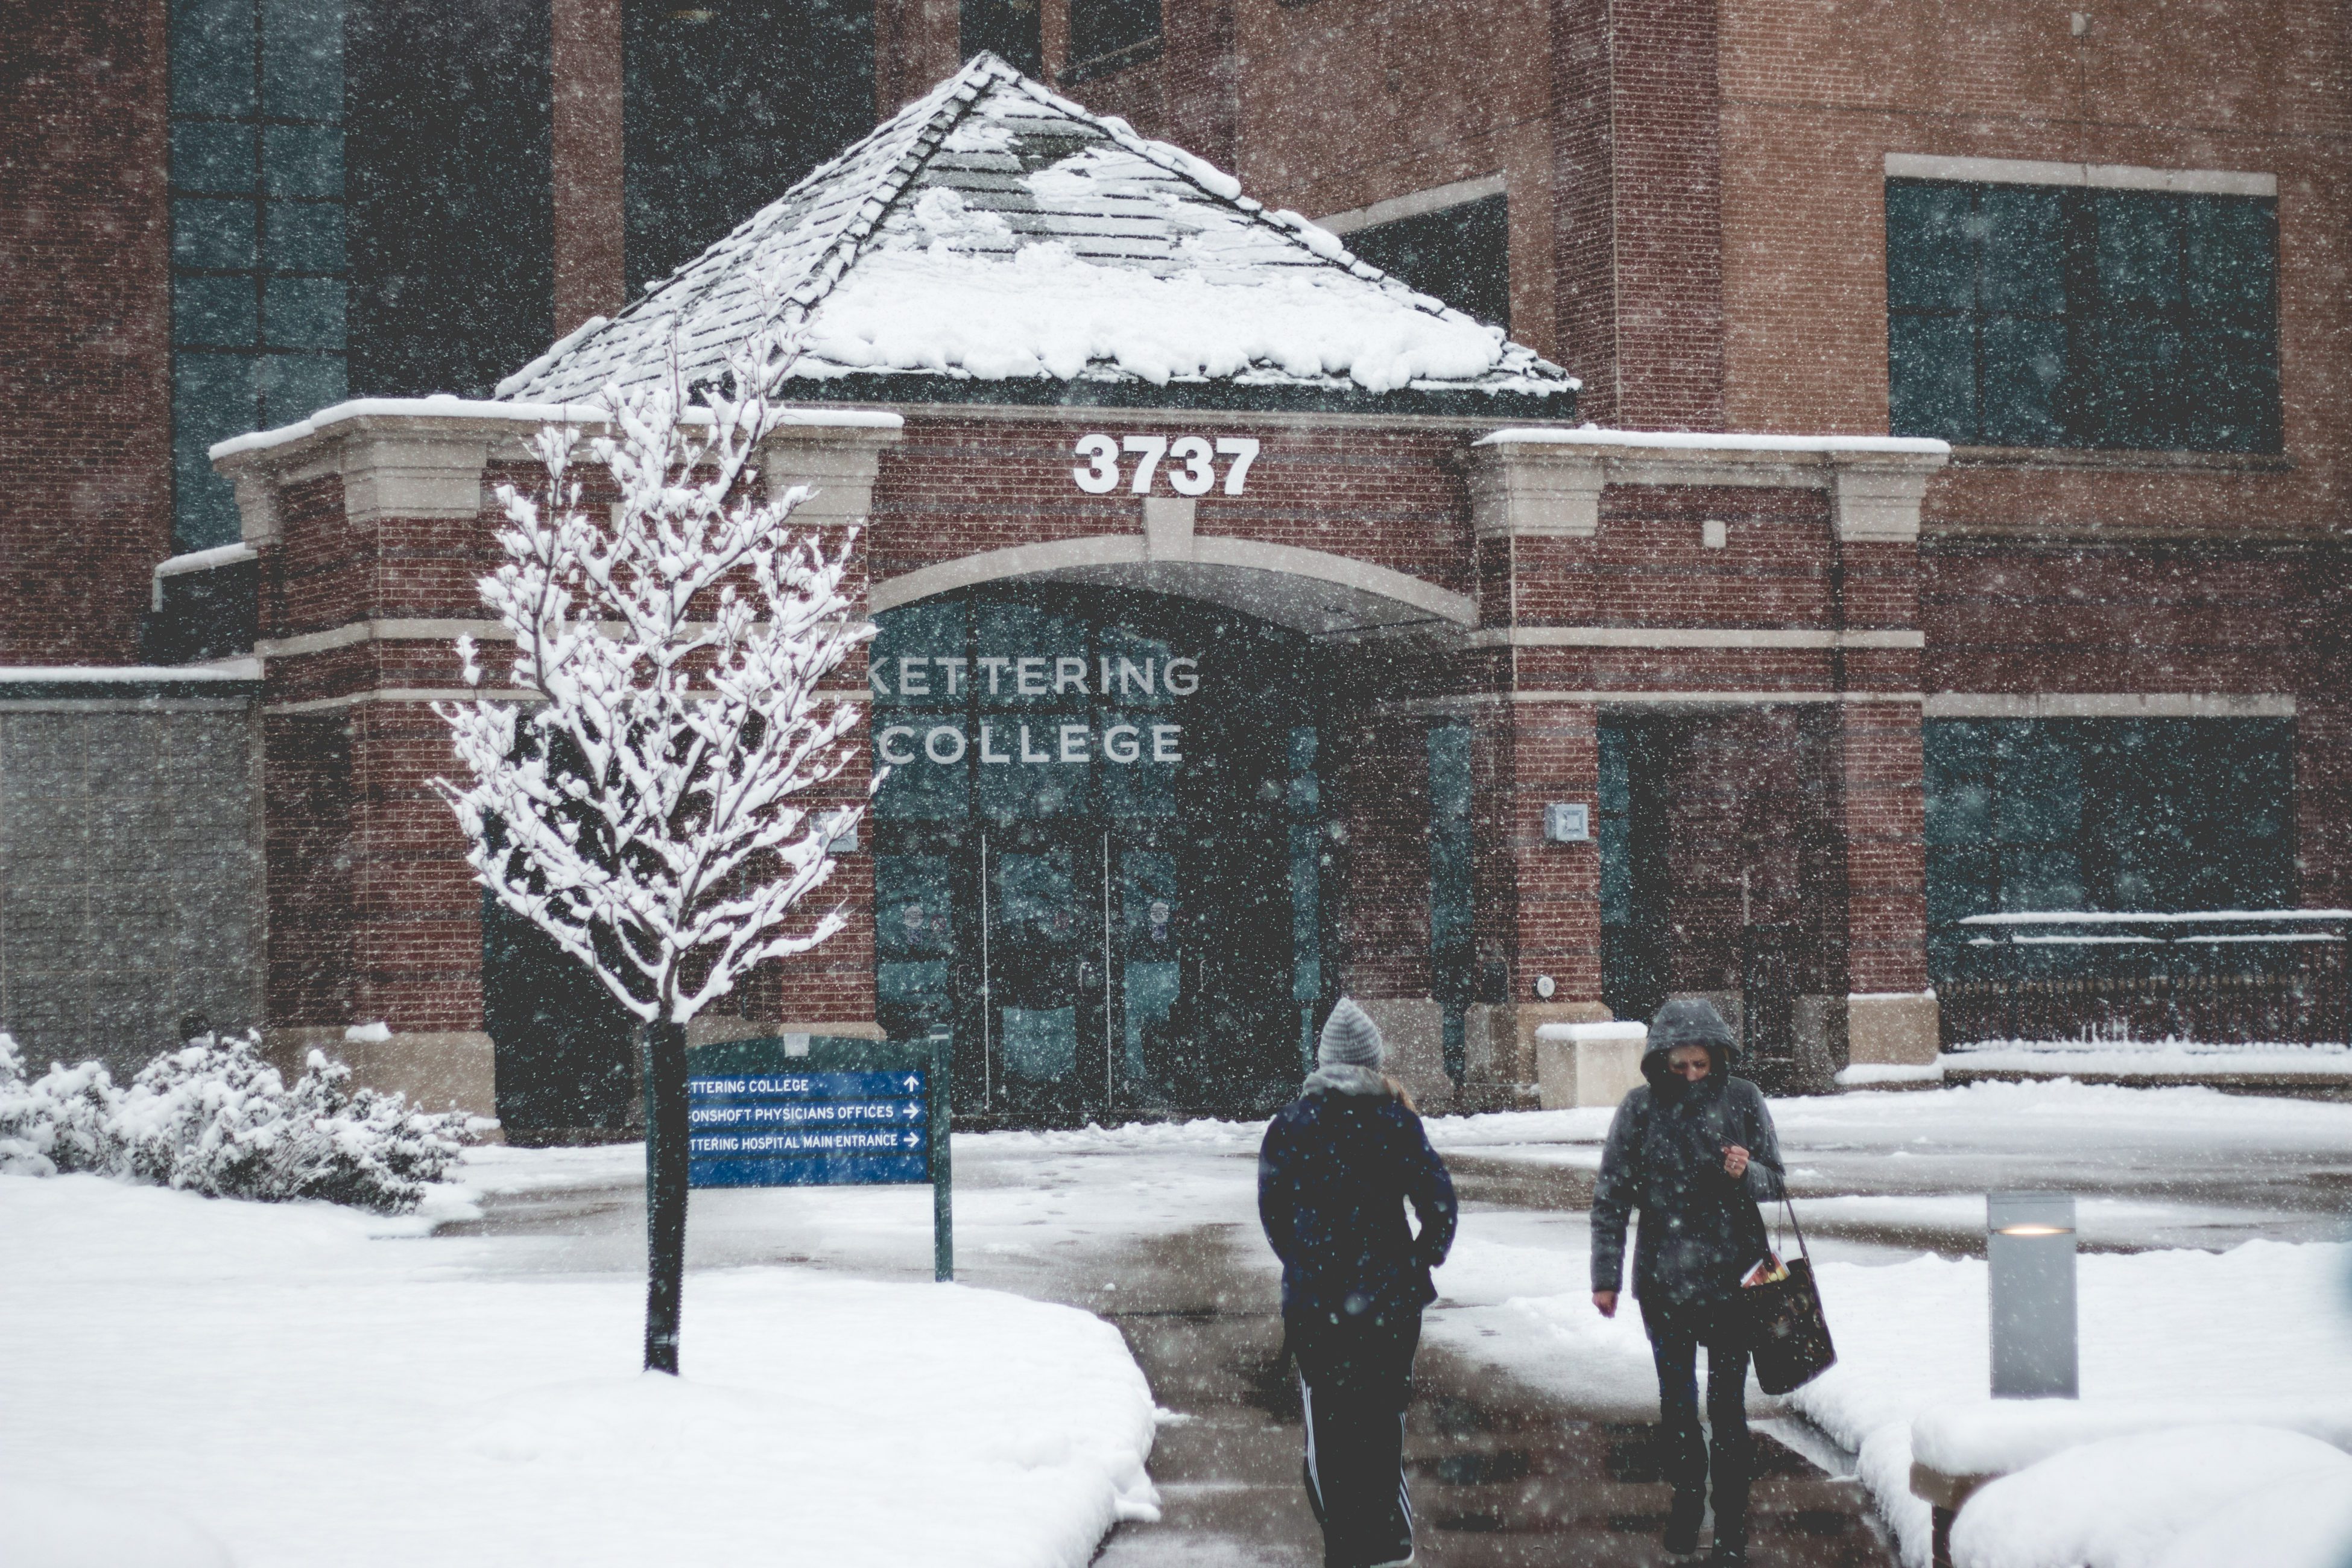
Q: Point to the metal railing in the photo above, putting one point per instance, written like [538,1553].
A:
[2216,976]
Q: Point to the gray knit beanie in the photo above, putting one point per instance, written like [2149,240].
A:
[1351,1039]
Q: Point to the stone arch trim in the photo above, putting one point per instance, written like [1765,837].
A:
[1098,551]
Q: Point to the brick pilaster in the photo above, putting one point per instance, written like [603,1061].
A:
[1637,198]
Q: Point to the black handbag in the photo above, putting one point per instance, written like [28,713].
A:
[1788,1336]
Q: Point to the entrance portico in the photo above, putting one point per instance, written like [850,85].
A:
[1205,697]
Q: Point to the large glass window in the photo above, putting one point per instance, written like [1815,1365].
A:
[2108,815]
[258,270]
[1451,917]
[452,193]
[1006,28]
[725,106]
[1460,254]
[1107,34]
[2049,316]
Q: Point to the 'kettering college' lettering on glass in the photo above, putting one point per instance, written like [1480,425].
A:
[943,676]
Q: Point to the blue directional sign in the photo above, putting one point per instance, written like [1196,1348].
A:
[795,1129]
[816,1111]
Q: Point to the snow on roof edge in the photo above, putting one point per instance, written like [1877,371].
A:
[441,406]
[1718,441]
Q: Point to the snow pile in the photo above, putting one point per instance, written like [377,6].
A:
[58,1527]
[2191,1497]
[2001,1436]
[2259,1335]
[1866,1074]
[2201,1333]
[314,1387]
[1046,310]
[214,1118]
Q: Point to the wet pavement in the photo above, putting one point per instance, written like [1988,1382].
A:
[1500,1475]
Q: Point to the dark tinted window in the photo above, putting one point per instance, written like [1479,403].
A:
[725,106]
[2040,316]
[258,264]
[1460,254]
[2108,815]
[1006,28]
[1103,28]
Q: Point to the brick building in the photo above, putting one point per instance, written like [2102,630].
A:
[1963,532]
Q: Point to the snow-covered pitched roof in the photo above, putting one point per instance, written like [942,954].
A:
[994,233]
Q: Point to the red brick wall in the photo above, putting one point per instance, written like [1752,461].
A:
[418,948]
[1382,768]
[85,328]
[1880,837]
[956,486]
[1638,188]
[1815,95]
[1649,563]
[1555,754]
[2090,618]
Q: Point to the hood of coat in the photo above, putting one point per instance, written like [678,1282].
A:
[1341,1078]
[1687,1021]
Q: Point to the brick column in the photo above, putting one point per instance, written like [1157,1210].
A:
[1555,749]
[2323,740]
[1638,209]
[828,991]
[585,72]
[1890,1014]
[1890,1017]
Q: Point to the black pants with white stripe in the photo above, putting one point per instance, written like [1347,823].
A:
[1355,1378]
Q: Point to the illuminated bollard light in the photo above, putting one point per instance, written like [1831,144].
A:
[2030,1247]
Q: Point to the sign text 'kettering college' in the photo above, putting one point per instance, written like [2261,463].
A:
[1011,741]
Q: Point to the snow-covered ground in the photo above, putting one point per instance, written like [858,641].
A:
[2206,1334]
[272,1374]
[301,1384]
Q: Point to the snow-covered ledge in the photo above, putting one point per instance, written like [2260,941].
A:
[1548,482]
[425,457]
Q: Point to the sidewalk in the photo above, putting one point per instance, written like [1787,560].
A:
[1499,1475]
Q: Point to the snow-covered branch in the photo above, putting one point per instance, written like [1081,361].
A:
[648,815]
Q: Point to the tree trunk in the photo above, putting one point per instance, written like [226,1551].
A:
[666,1149]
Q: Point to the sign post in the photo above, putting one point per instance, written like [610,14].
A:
[822,1110]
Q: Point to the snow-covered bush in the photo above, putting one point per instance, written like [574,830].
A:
[214,1118]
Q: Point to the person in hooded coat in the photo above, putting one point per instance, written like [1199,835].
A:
[1694,1150]
[1338,1167]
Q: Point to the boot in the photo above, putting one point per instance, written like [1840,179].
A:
[1683,1520]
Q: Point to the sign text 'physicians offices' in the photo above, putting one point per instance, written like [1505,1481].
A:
[1014,677]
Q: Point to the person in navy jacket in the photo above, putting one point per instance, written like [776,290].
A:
[1339,1165]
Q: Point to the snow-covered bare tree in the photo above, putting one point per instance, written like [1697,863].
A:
[647,804]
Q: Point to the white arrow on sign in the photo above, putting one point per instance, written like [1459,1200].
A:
[913,1112]
[913,1139]
[913,1082]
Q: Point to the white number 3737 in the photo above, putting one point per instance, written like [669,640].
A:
[1190,463]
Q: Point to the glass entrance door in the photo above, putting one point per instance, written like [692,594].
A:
[1097,868]
[1041,997]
